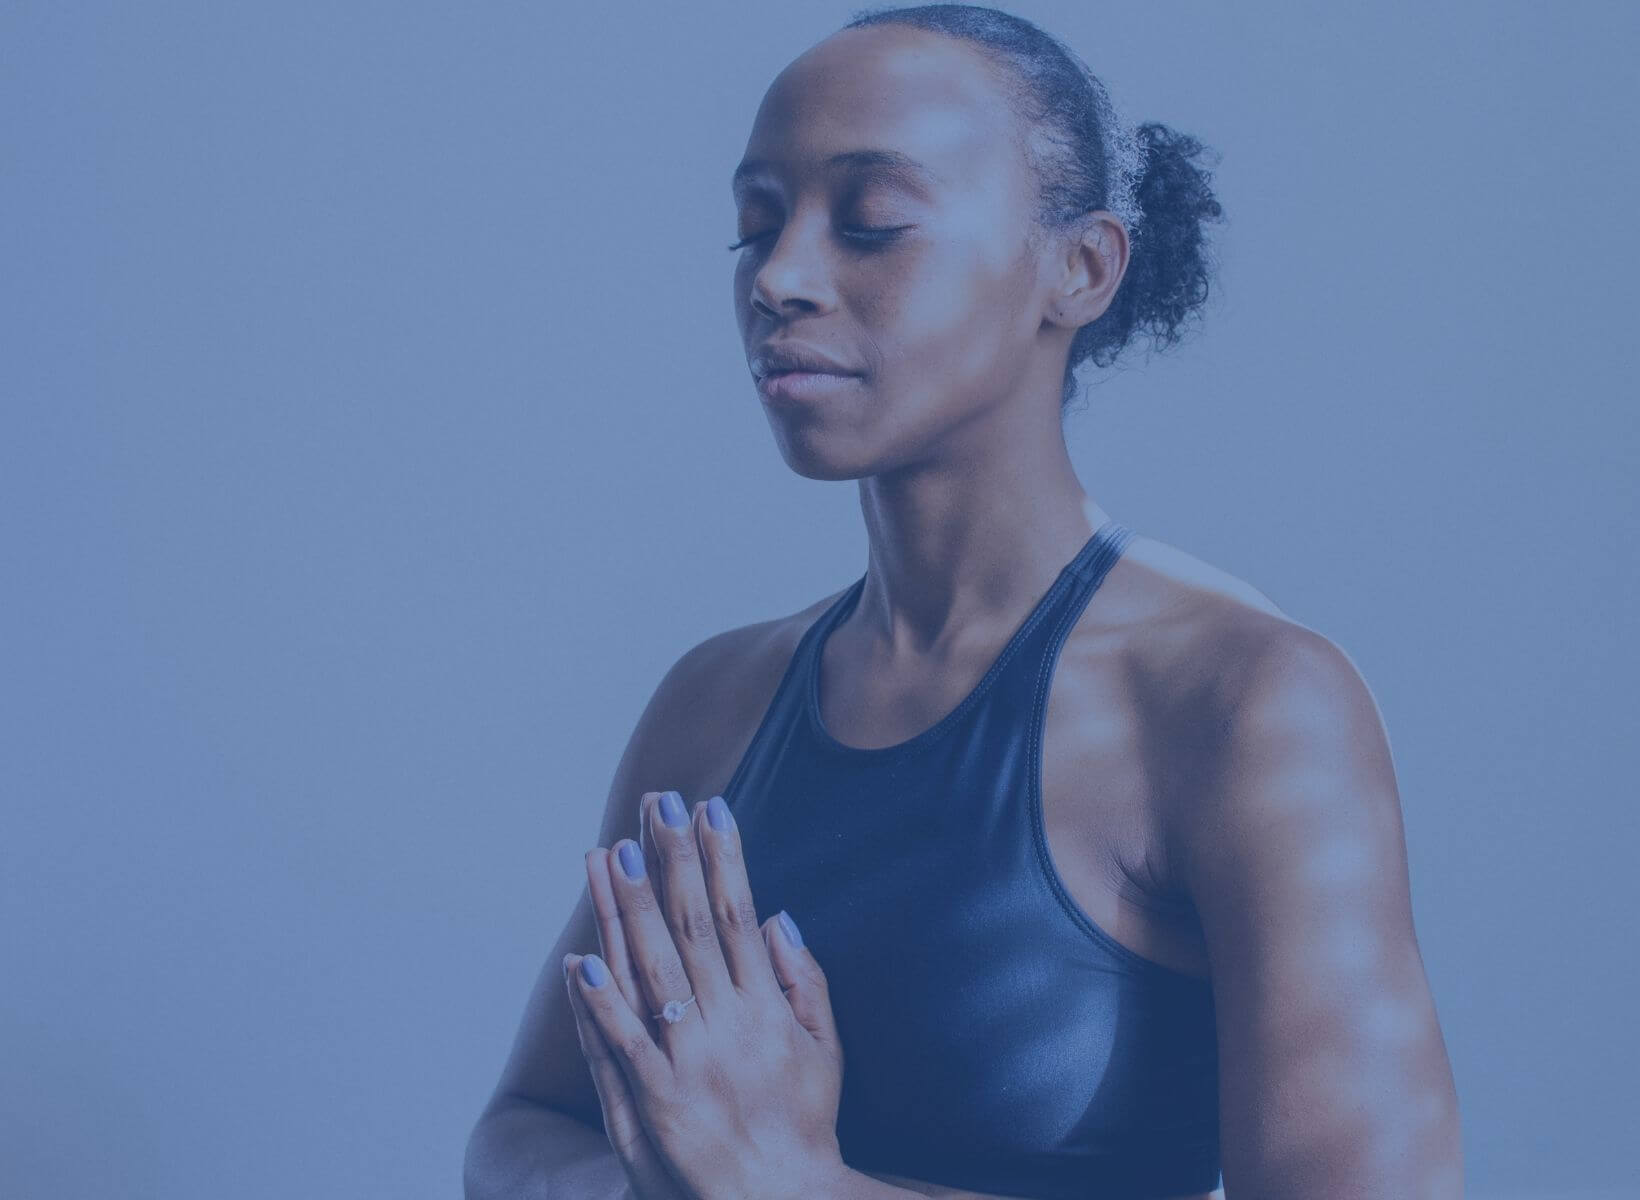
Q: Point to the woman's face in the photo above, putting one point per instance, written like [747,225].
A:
[887,208]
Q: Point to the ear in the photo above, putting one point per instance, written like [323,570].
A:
[1094,261]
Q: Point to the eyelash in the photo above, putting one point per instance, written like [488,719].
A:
[871,237]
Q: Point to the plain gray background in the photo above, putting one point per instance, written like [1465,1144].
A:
[376,432]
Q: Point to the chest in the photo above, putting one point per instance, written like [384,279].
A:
[1104,772]
[991,1040]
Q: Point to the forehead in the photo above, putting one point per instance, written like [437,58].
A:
[903,93]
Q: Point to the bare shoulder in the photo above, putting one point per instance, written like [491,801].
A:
[1212,651]
[715,696]
[760,645]
[1195,629]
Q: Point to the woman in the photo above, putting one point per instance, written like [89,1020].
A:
[1097,855]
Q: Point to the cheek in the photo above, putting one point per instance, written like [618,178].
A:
[954,327]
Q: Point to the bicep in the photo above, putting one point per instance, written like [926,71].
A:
[1333,1074]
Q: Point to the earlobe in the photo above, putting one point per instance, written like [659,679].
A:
[1064,310]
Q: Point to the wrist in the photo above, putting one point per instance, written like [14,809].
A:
[838,1182]
[842,1182]
[824,1180]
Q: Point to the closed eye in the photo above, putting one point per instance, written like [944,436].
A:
[866,235]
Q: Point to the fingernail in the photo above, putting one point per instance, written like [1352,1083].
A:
[631,859]
[672,809]
[717,814]
[789,928]
[592,970]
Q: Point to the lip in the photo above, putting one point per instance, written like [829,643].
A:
[773,358]
[796,387]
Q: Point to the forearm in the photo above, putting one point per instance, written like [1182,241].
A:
[521,1151]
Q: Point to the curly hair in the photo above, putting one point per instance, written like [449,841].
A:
[1086,157]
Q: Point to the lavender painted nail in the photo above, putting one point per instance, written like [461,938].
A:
[672,810]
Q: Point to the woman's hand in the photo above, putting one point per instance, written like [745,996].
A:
[648,1176]
[738,1097]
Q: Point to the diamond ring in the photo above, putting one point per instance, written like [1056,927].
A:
[673,1012]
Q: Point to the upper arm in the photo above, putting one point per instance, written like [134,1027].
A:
[1334,1079]
[545,1065]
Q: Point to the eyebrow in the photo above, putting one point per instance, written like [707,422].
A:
[888,163]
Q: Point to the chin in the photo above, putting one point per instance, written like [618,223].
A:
[804,460]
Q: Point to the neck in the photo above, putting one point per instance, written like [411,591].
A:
[969,543]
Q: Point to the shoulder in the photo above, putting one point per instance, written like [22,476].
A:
[743,650]
[710,701]
[747,654]
[1285,730]
[1235,689]
[1187,633]
[1278,762]
[1294,778]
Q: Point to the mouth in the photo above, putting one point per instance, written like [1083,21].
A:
[798,386]
[785,356]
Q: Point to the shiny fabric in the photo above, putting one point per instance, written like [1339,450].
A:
[995,1039]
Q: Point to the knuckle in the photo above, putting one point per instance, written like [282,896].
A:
[678,848]
[694,925]
[737,914]
[627,1139]
[641,900]
[727,850]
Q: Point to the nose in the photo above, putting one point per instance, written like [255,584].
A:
[794,276]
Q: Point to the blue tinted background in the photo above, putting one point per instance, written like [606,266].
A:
[376,432]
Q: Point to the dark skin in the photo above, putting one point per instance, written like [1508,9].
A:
[1281,826]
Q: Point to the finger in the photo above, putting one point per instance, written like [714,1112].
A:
[730,892]
[623,1124]
[801,978]
[614,1093]
[611,934]
[684,900]
[684,917]
[651,852]
[655,961]
[624,1039]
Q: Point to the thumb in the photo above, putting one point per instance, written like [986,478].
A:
[800,978]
